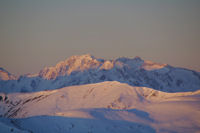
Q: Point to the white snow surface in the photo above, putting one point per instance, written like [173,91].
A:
[4,128]
[106,107]
[86,69]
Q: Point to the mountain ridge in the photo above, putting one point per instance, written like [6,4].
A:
[85,69]
[115,95]
[5,75]
[107,107]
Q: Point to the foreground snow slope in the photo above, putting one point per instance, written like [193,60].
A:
[102,107]
[4,128]
[85,69]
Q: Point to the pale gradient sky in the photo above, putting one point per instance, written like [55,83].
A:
[38,33]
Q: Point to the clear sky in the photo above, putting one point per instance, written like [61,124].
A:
[38,33]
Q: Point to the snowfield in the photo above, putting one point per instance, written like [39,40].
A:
[106,107]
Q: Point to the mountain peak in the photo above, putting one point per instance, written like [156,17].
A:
[3,70]
[71,64]
[5,75]
[84,69]
[149,65]
[80,57]
[138,58]
[125,59]
[80,63]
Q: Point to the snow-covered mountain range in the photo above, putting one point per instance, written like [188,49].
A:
[84,94]
[85,69]
[106,107]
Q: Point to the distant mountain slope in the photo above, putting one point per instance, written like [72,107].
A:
[85,69]
[5,75]
[102,107]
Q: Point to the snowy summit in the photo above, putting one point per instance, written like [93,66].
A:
[85,69]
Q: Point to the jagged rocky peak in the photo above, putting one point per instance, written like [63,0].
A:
[84,69]
[3,70]
[138,63]
[108,64]
[5,75]
[86,62]
[149,65]
[134,63]
[127,59]
[73,63]
[81,57]
[138,58]
[82,62]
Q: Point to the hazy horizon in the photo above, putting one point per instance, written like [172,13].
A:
[39,33]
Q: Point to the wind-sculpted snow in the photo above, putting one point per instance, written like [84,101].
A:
[108,107]
[86,69]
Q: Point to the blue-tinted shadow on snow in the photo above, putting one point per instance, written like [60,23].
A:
[99,113]
[98,124]
[59,124]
